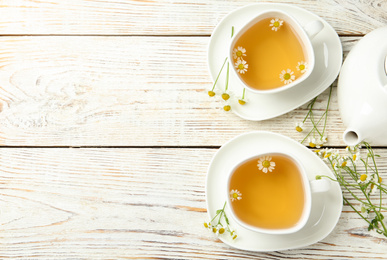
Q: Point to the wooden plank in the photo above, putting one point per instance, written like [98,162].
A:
[132,203]
[125,91]
[129,17]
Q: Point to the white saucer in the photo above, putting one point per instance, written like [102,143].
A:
[326,207]
[328,53]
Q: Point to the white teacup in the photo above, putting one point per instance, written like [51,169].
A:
[259,202]
[278,19]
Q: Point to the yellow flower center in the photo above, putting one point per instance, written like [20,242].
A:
[301,67]
[235,195]
[266,164]
[242,102]
[299,128]
[344,164]
[363,177]
[227,108]
[211,93]
[276,24]
[380,179]
[287,76]
[354,157]
[239,53]
[225,96]
[221,230]
[312,144]
[241,66]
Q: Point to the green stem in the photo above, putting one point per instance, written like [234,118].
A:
[221,213]
[219,74]
[228,72]
[349,204]
[326,111]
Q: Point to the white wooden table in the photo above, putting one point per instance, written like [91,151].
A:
[106,129]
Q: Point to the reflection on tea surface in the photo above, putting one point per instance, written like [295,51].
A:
[269,55]
[268,192]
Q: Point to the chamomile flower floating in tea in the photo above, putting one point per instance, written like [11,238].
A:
[270,200]
[239,52]
[287,76]
[265,164]
[302,66]
[275,24]
[235,195]
[241,66]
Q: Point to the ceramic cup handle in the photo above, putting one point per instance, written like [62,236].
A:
[313,28]
[318,186]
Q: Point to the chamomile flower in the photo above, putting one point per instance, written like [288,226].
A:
[238,52]
[213,91]
[241,66]
[207,225]
[265,164]
[227,106]
[376,181]
[343,161]
[319,143]
[364,178]
[299,127]
[221,229]
[275,24]
[356,157]
[227,95]
[235,195]
[233,235]
[287,76]
[302,66]
[242,101]
[353,149]
[312,142]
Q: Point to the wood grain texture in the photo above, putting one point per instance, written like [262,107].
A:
[132,75]
[141,17]
[123,91]
[132,203]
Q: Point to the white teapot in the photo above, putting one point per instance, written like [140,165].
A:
[362,90]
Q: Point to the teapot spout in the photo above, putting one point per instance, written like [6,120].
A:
[352,136]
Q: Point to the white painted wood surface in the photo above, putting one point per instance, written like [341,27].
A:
[125,83]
